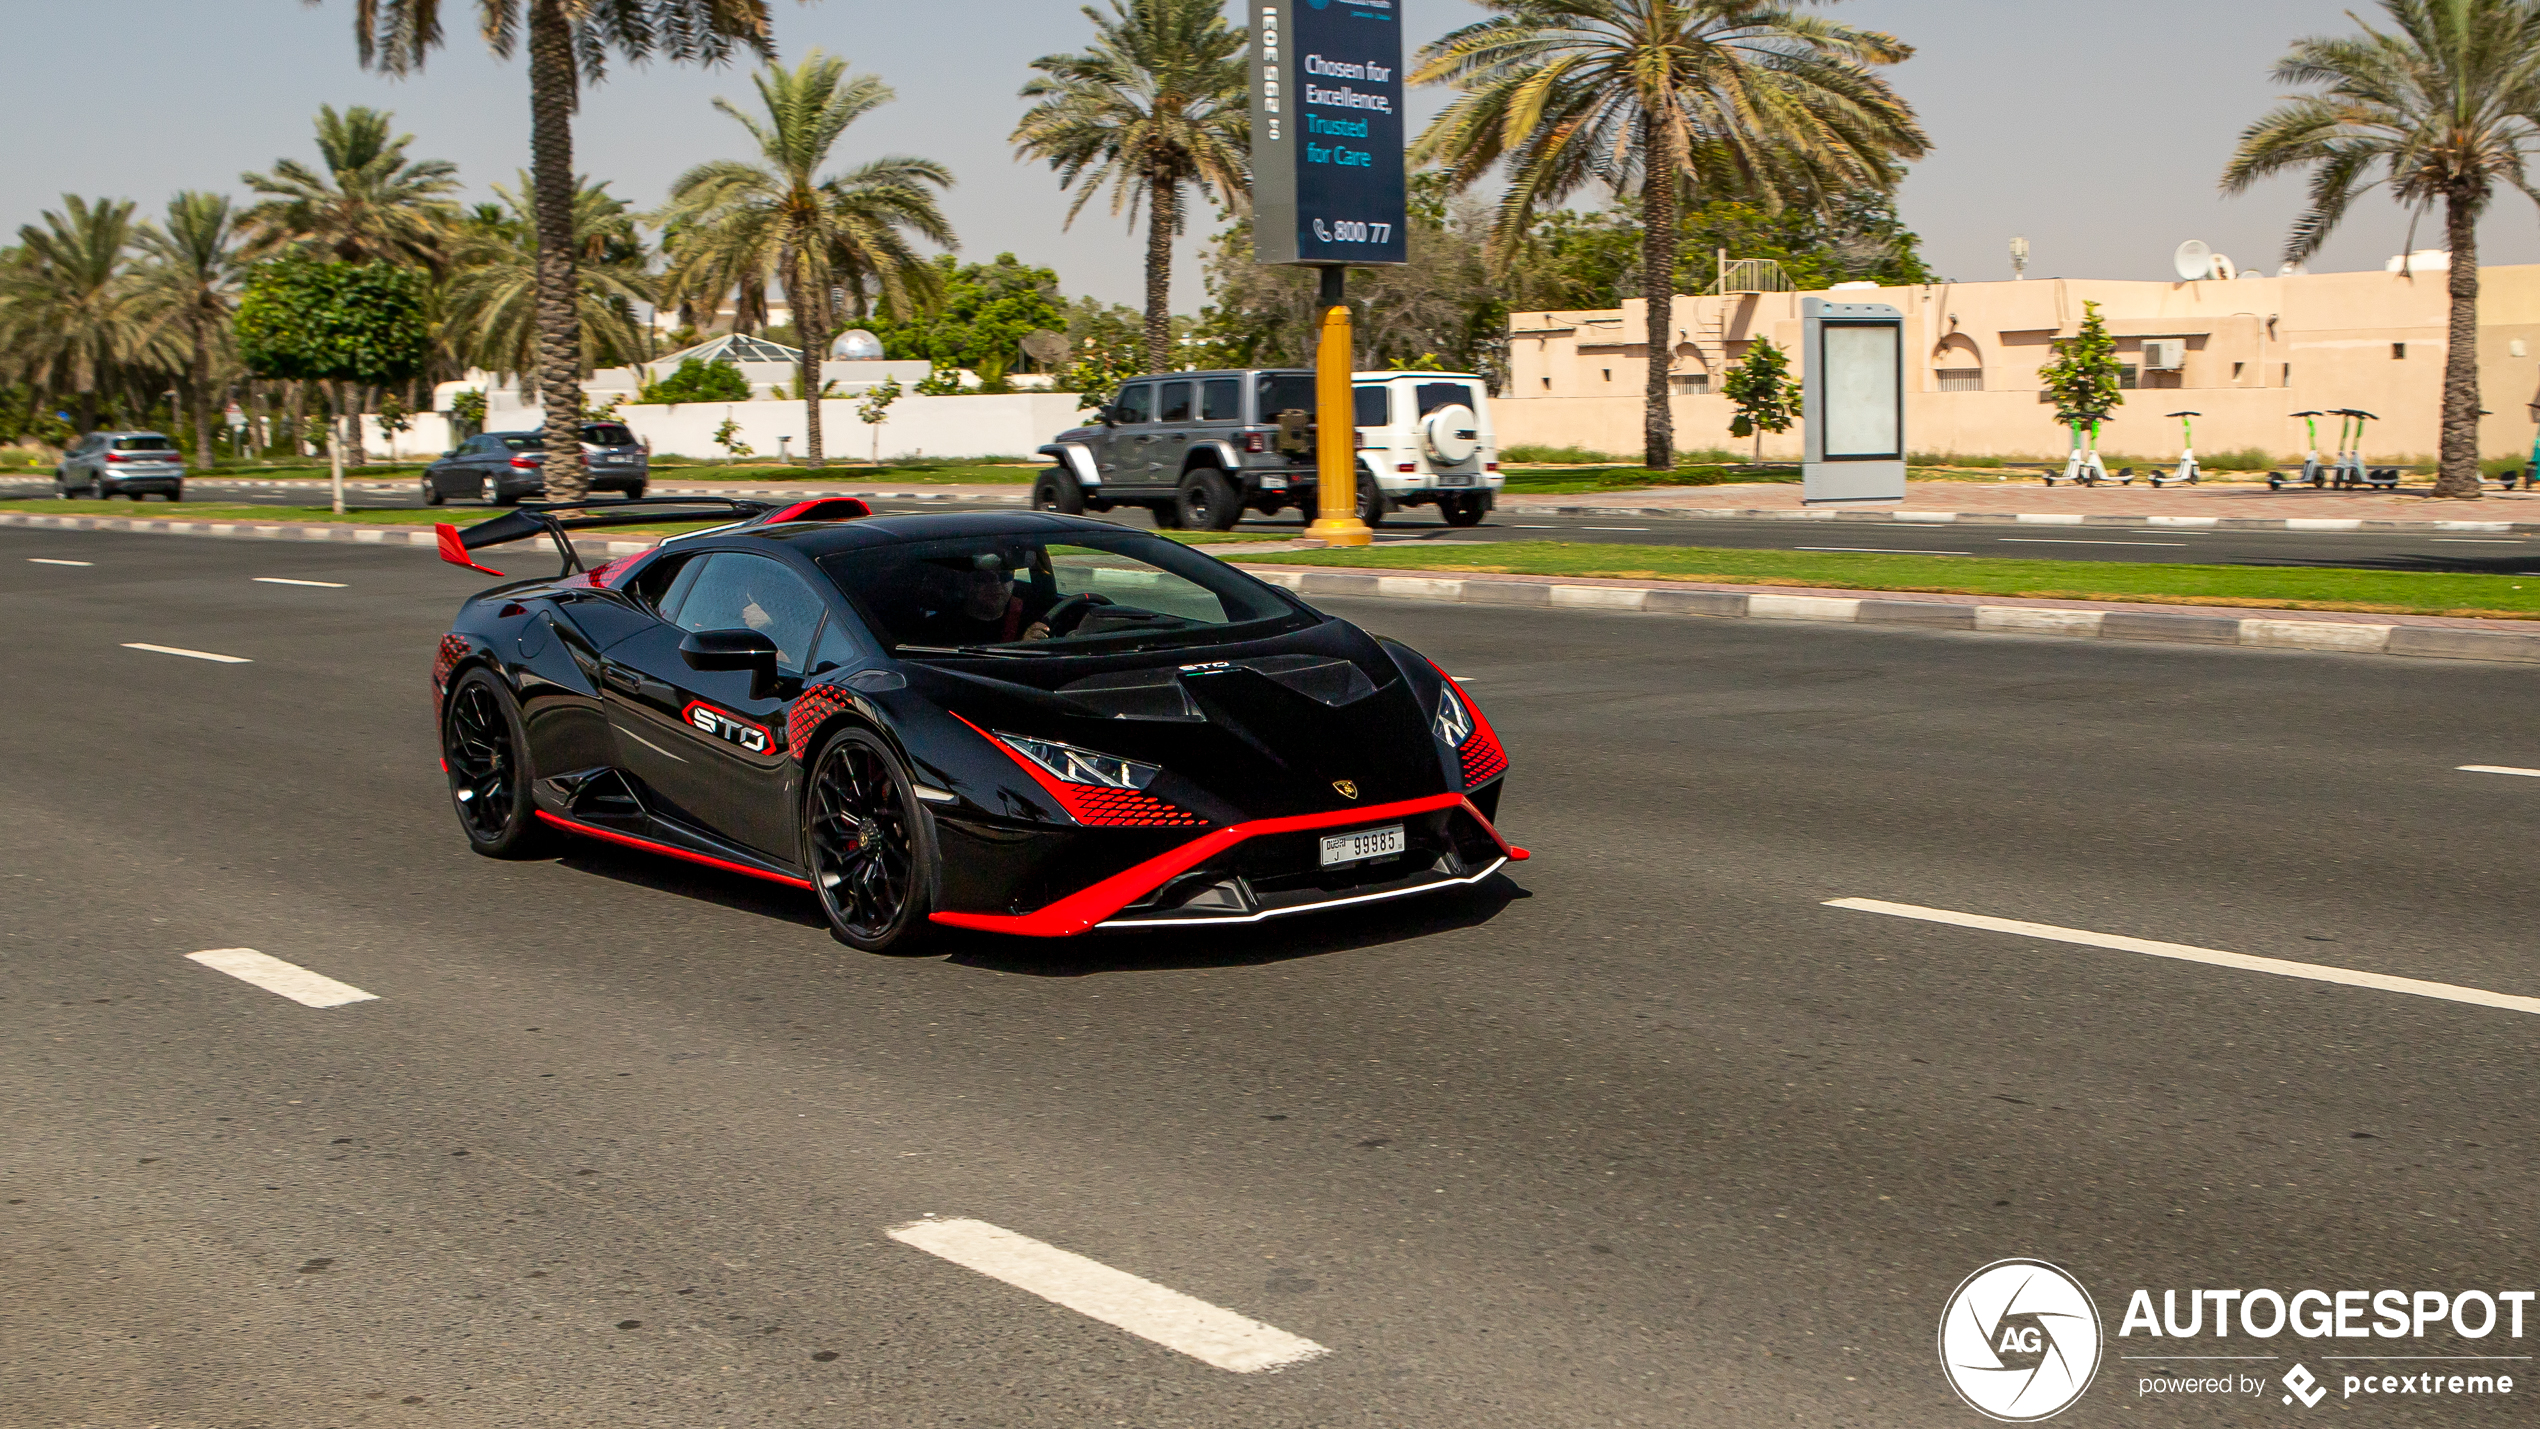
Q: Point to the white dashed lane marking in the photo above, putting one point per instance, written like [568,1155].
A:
[1884,550]
[2051,541]
[2498,769]
[2184,952]
[1170,1318]
[286,580]
[276,976]
[188,654]
[49,561]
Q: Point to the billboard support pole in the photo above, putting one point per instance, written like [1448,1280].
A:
[1335,422]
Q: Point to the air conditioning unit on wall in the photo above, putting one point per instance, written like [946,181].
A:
[2164,354]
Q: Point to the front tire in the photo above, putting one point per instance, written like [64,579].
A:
[868,844]
[1058,492]
[494,495]
[486,748]
[432,493]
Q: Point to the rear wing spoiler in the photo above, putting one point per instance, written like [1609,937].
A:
[548,518]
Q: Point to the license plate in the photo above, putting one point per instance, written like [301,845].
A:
[1361,845]
[1456,478]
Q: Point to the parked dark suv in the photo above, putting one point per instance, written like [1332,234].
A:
[1201,448]
[133,464]
[503,467]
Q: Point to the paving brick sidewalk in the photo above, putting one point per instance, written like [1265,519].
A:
[2231,505]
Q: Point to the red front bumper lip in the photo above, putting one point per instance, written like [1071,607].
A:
[1081,911]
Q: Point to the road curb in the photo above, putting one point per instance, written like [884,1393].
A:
[2071,622]
[2079,622]
[2027,518]
[345,533]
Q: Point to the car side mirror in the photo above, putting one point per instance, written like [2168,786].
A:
[1107,414]
[733,650]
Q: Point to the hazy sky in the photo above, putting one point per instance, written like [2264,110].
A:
[2096,130]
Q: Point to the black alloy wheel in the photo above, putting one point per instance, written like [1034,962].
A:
[432,492]
[485,746]
[1207,502]
[1057,491]
[871,847]
[1371,501]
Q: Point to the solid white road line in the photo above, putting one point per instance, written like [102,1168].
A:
[2475,541]
[1884,550]
[188,654]
[2047,541]
[1521,526]
[2497,769]
[49,561]
[274,975]
[1613,528]
[1143,1308]
[286,580]
[2279,967]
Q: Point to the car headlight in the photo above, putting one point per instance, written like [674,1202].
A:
[1072,765]
[1453,724]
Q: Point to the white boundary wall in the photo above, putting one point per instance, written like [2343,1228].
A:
[1009,424]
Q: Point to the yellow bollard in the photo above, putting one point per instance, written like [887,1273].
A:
[1336,433]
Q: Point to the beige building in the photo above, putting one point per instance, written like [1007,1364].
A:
[2246,353]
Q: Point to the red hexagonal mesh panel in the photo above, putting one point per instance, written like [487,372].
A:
[1484,760]
[1103,805]
[807,711]
[453,650]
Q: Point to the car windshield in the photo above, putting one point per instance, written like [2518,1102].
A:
[608,434]
[1033,595]
[143,444]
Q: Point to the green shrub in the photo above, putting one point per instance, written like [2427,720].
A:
[2245,459]
[699,382]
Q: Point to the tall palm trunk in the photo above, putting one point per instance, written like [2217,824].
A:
[199,377]
[2457,472]
[551,105]
[811,324]
[1658,284]
[1164,211]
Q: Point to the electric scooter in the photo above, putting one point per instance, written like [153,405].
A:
[2349,470]
[2311,472]
[2082,467]
[2188,471]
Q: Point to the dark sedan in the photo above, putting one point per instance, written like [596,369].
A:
[500,468]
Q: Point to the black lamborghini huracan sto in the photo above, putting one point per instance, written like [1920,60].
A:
[1016,722]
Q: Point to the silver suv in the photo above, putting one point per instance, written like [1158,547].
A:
[133,464]
[1199,449]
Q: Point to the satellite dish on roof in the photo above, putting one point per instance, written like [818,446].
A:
[2193,260]
[856,345]
[1047,348]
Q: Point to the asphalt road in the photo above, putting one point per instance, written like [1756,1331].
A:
[2370,550]
[1645,1135]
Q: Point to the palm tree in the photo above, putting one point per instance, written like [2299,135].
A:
[68,314]
[370,204]
[1733,97]
[188,283]
[568,41]
[780,221]
[1161,99]
[490,310]
[2440,109]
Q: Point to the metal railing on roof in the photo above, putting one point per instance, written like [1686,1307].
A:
[1750,275]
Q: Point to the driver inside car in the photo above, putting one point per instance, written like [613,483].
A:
[980,598]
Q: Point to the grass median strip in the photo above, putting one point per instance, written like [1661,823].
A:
[2161,583]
